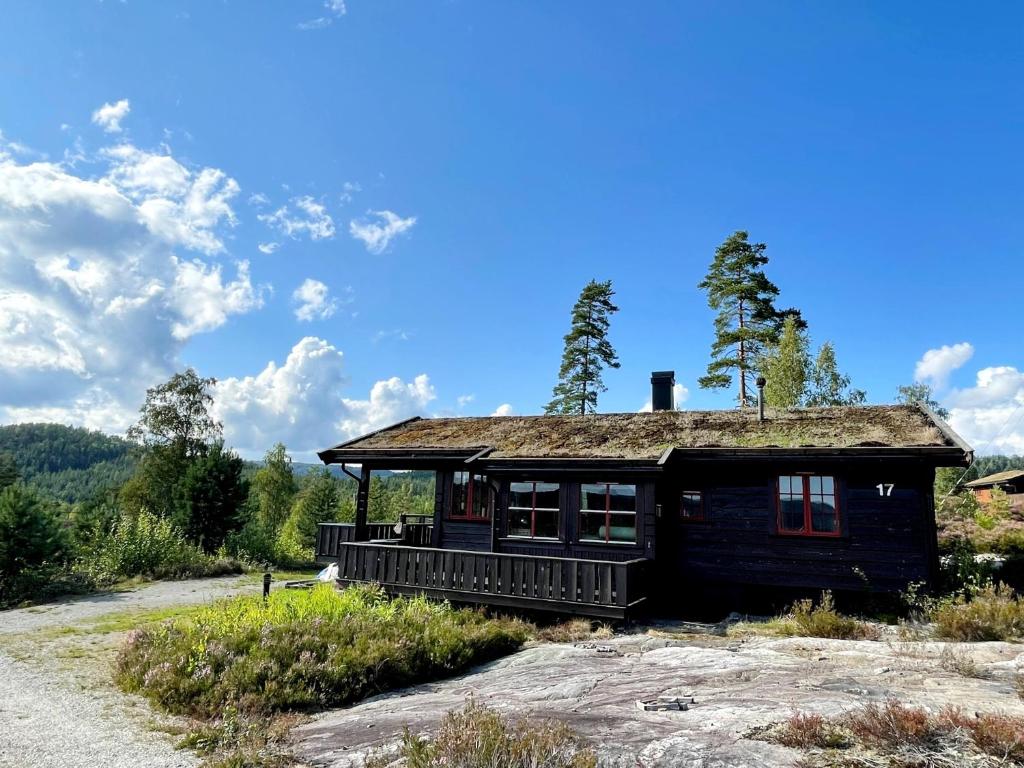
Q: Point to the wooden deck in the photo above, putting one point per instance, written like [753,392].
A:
[599,588]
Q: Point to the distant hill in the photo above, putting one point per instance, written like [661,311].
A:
[68,463]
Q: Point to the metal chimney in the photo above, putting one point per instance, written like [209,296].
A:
[760,397]
[662,383]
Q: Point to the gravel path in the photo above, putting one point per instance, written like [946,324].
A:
[58,706]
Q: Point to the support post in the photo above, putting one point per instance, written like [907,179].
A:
[266,586]
[362,531]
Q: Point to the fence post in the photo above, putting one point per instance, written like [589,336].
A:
[266,586]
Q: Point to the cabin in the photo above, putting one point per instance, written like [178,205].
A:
[607,515]
[1010,482]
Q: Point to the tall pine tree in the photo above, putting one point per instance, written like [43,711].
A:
[587,352]
[747,322]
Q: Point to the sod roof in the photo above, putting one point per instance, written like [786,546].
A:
[648,435]
[998,477]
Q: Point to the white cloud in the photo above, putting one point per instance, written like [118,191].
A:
[310,218]
[348,191]
[268,248]
[680,395]
[258,199]
[302,404]
[990,415]
[109,116]
[505,409]
[335,10]
[95,302]
[313,301]
[464,400]
[397,334]
[376,235]
[936,364]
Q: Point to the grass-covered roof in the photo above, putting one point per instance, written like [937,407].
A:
[648,435]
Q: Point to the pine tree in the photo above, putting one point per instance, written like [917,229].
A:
[920,393]
[317,502]
[787,367]
[274,488]
[587,352]
[747,321]
[828,386]
[9,473]
[30,534]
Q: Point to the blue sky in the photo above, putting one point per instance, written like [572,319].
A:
[449,175]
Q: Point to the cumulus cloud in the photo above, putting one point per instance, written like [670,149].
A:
[109,116]
[303,216]
[313,301]
[505,409]
[990,415]
[96,299]
[680,395]
[936,365]
[376,235]
[302,402]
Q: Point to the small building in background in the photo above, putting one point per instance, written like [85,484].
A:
[1010,481]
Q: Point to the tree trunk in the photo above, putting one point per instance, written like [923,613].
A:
[743,362]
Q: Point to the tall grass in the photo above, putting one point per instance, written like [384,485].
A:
[302,650]
[992,613]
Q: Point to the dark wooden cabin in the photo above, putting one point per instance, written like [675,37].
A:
[605,514]
[1011,482]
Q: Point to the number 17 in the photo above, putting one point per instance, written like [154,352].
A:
[885,489]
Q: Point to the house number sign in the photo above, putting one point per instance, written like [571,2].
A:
[885,489]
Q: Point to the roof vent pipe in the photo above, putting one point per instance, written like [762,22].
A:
[760,397]
[662,383]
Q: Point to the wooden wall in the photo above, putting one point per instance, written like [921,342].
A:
[887,541]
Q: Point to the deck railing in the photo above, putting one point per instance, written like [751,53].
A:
[589,587]
[415,530]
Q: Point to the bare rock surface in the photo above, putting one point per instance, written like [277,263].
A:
[736,684]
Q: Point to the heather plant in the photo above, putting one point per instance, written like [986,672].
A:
[990,613]
[303,650]
[478,737]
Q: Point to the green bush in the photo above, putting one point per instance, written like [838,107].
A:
[305,649]
[150,546]
[992,613]
[809,620]
[478,737]
[32,544]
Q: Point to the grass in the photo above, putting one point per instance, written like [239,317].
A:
[894,735]
[304,649]
[807,619]
[478,737]
[961,662]
[993,613]
[573,631]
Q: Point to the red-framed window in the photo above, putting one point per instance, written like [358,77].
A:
[533,509]
[608,513]
[471,497]
[691,506]
[808,505]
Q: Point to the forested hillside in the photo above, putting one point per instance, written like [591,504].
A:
[68,463]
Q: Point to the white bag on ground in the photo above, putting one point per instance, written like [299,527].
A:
[330,573]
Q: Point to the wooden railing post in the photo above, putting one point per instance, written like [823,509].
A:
[362,532]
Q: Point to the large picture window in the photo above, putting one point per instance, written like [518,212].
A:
[533,509]
[608,512]
[808,505]
[471,497]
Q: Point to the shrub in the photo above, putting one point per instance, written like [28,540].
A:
[305,649]
[1001,736]
[994,613]
[32,544]
[147,545]
[478,737]
[889,725]
[808,730]
[822,620]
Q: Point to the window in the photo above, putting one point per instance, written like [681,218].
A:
[808,505]
[608,512]
[691,506]
[533,510]
[471,497]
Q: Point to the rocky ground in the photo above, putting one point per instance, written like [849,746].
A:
[736,685]
[58,705]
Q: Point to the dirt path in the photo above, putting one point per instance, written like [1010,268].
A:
[737,685]
[57,703]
